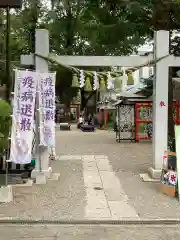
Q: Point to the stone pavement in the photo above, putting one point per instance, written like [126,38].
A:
[105,196]
[99,180]
[127,161]
[89,232]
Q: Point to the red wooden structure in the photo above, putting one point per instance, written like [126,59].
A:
[143,112]
[176,111]
[143,121]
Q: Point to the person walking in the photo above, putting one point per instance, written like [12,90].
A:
[80,121]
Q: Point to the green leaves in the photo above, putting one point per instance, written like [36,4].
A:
[87,27]
[5,124]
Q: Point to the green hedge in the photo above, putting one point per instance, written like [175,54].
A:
[5,124]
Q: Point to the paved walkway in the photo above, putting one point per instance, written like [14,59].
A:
[81,232]
[99,180]
[105,197]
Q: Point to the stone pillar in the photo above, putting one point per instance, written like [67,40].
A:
[160,102]
[41,65]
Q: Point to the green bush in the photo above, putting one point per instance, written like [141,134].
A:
[5,124]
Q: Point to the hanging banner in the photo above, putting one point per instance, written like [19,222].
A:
[46,90]
[23,117]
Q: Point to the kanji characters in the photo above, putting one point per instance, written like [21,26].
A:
[26,110]
[25,124]
[27,96]
[48,92]
[48,81]
[28,82]
[49,103]
[49,115]
[162,104]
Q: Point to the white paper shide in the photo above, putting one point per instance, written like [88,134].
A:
[46,92]
[23,117]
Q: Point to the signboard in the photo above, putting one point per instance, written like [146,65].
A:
[177,137]
[10,3]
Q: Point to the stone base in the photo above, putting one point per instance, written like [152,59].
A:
[41,179]
[55,176]
[154,173]
[47,173]
[6,194]
[146,178]
[35,173]
[27,183]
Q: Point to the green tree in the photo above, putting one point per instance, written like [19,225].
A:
[5,123]
[160,15]
[84,27]
[88,27]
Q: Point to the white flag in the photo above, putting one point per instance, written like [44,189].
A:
[46,90]
[23,117]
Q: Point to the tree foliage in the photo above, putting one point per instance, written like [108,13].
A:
[5,123]
[87,27]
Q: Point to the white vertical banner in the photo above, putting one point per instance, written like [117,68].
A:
[46,90]
[23,117]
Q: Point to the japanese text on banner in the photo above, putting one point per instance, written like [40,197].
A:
[47,109]
[23,117]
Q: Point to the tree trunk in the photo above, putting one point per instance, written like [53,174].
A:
[85,100]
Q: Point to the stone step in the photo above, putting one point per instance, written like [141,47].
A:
[12,179]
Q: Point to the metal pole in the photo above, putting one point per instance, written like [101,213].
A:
[6,174]
[37,129]
[8,81]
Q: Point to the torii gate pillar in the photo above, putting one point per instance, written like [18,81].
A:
[160,101]
[41,65]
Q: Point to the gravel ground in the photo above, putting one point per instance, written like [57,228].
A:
[62,199]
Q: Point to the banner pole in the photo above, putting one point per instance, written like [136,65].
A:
[37,130]
[6,175]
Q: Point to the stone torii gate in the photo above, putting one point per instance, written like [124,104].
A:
[160,92]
